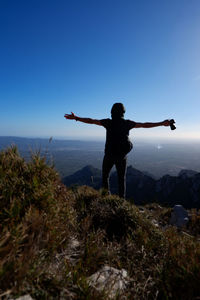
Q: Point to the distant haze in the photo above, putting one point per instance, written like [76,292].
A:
[158,157]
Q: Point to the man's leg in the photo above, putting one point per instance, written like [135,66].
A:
[121,172]
[106,168]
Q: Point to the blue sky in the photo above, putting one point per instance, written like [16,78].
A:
[83,56]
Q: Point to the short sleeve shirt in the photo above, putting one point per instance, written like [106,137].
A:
[117,135]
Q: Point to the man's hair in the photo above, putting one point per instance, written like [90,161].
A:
[118,110]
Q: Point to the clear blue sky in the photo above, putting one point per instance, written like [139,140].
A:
[82,56]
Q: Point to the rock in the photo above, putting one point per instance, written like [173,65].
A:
[179,216]
[155,223]
[110,280]
[25,297]
[73,251]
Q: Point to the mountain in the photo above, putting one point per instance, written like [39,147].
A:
[182,189]
[86,176]
[143,188]
[139,185]
[187,173]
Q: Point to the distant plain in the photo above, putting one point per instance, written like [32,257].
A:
[156,157]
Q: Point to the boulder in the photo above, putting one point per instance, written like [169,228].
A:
[25,297]
[179,216]
[110,280]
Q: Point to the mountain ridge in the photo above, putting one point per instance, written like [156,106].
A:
[143,188]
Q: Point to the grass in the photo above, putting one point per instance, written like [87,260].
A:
[40,218]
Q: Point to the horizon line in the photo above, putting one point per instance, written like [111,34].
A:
[102,139]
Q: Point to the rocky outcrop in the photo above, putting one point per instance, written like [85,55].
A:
[179,216]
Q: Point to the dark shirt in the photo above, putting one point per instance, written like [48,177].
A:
[117,136]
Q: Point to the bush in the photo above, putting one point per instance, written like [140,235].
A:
[181,269]
[36,215]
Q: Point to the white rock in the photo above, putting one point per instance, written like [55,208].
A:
[155,223]
[110,280]
[179,216]
[25,297]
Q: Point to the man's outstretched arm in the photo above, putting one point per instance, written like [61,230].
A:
[72,116]
[151,124]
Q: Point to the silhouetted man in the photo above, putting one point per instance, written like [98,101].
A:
[117,142]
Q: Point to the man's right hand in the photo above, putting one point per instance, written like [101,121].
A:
[70,116]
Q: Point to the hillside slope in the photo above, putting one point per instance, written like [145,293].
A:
[52,239]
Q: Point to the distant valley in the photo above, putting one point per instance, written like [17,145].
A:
[155,157]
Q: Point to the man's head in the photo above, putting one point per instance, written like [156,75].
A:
[118,110]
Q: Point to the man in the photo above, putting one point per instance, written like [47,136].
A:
[117,142]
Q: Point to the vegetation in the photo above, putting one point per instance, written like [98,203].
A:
[53,238]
